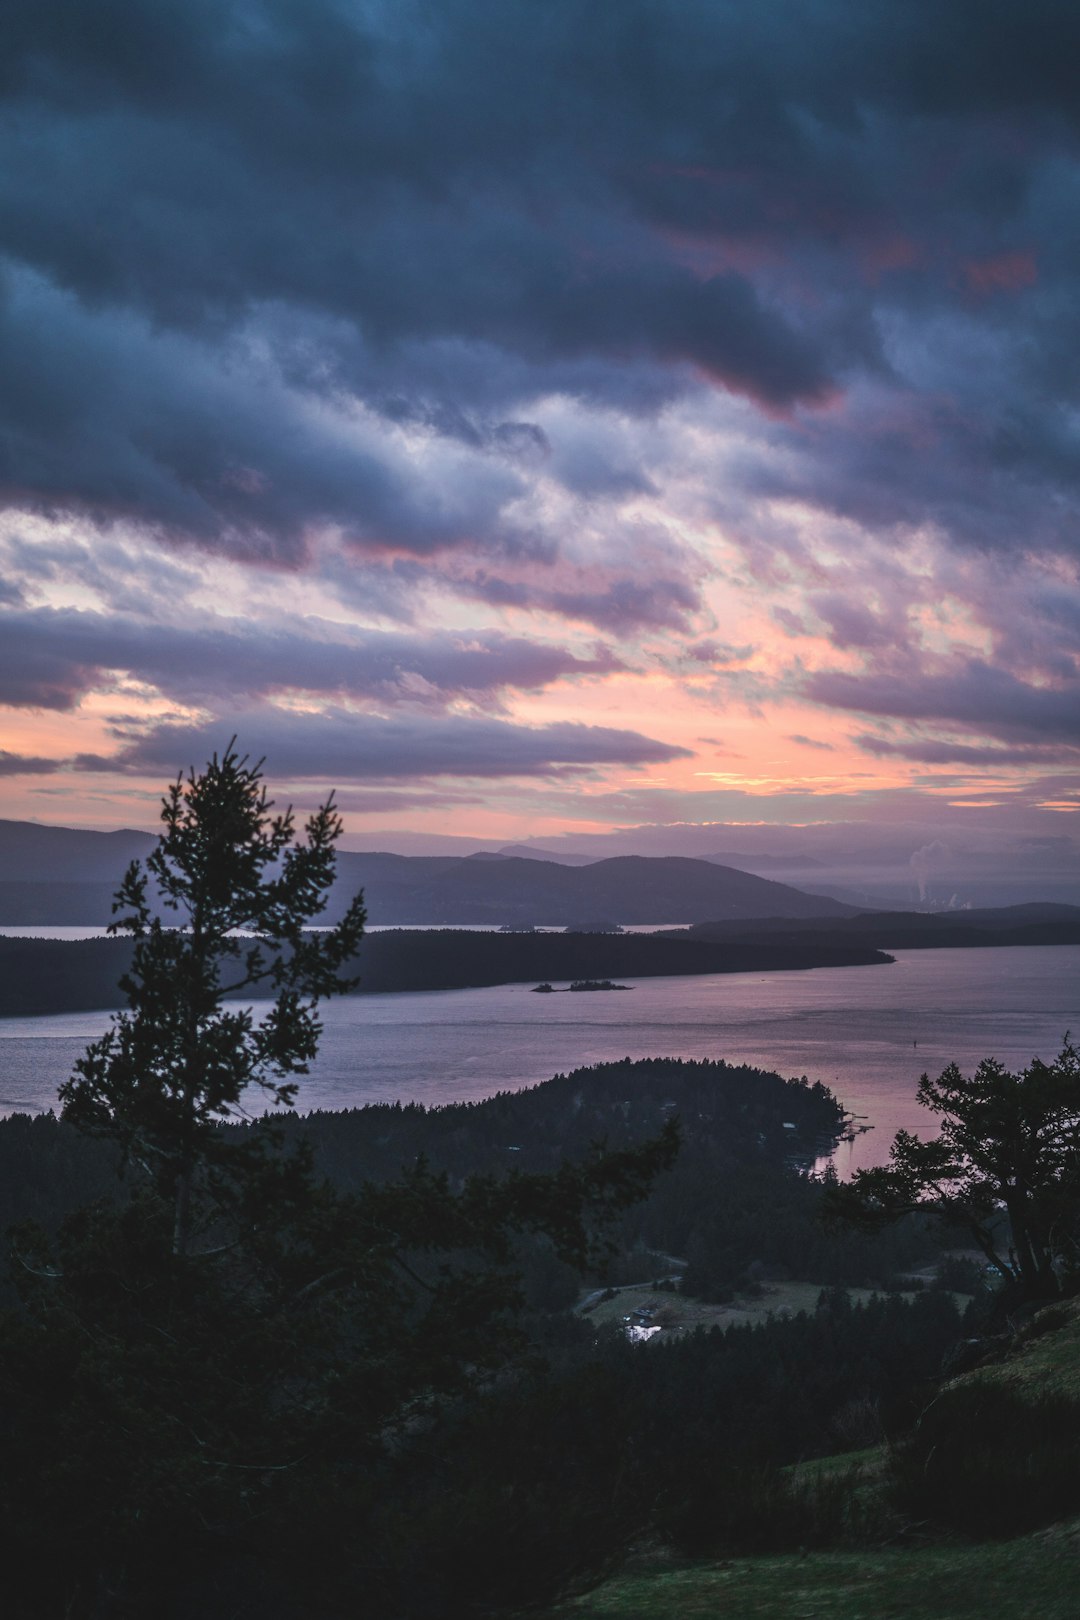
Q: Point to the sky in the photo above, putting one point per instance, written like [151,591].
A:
[651,424]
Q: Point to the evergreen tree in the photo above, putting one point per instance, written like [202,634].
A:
[237,892]
[1005,1167]
[235,1421]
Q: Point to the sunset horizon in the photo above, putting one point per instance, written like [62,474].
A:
[615,429]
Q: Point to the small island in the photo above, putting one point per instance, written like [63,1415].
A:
[578,984]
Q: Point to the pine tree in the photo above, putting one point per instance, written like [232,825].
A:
[221,910]
[1005,1167]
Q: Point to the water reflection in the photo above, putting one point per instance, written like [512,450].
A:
[868,1032]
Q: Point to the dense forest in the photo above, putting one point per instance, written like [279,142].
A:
[426,1363]
[500,1488]
[1041,922]
[46,976]
[737,1198]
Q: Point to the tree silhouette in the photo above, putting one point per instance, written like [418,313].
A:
[225,1381]
[241,891]
[1005,1166]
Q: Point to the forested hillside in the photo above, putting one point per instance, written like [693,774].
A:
[736,1196]
[45,976]
[503,1484]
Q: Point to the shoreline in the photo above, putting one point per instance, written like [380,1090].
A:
[41,977]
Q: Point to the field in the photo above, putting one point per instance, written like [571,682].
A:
[1034,1578]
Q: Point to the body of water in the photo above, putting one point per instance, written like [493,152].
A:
[80,931]
[868,1032]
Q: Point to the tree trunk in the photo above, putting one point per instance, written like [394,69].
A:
[1033,1262]
[182,1211]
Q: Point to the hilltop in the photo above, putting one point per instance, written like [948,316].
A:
[629,889]
[59,875]
[971,1512]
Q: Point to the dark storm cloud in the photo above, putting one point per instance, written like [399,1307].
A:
[26,764]
[851,623]
[995,468]
[51,659]
[411,143]
[345,747]
[621,606]
[100,413]
[934,751]
[344,189]
[973,695]
[249,245]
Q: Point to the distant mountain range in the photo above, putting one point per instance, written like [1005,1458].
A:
[626,889]
[56,875]
[30,853]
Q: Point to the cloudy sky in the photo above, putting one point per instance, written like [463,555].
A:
[537,417]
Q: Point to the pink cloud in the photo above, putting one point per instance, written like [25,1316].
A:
[1003,272]
[885,253]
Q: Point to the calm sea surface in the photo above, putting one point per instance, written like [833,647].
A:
[868,1032]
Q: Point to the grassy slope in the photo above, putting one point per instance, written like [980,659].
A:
[1035,1577]
[1046,1360]
[1032,1579]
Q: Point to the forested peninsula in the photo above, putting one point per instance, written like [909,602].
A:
[40,976]
[1038,922]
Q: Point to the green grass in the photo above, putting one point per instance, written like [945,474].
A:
[859,1464]
[1031,1577]
[1035,1578]
[1047,1357]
